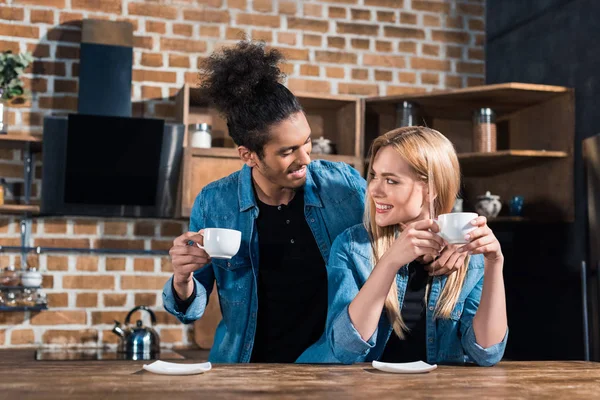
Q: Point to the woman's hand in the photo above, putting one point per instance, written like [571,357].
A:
[449,261]
[482,241]
[417,239]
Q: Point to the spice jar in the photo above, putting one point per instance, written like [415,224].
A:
[406,114]
[200,134]
[9,276]
[484,130]
[31,278]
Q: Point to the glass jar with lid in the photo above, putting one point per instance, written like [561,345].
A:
[484,130]
[200,135]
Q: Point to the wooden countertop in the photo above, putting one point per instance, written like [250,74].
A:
[22,377]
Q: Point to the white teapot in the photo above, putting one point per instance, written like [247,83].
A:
[488,205]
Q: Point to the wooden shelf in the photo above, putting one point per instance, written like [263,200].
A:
[19,142]
[19,209]
[503,98]
[486,164]
[507,219]
[223,152]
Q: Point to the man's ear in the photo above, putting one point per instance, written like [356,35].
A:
[248,157]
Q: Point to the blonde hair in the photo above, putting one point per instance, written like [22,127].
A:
[429,154]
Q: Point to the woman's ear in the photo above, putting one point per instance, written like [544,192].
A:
[247,156]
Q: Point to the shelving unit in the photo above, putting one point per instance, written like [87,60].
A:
[536,129]
[338,118]
[24,308]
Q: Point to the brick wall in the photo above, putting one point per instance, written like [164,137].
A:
[362,47]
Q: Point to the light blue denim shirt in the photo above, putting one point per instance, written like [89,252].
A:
[448,340]
[334,196]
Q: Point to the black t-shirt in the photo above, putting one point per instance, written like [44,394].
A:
[413,347]
[292,284]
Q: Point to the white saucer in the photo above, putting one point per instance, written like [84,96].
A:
[167,368]
[417,367]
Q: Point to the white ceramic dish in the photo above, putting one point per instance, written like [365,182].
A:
[417,367]
[167,368]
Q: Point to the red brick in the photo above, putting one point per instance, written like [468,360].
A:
[173,335]
[429,64]
[22,336]
[470,9]
[383,76]
[384,61]
[2,336]
[407,77]
[211,3]
[12,46]
[84,227]
[398,90]
[383,46]
[309,70]
[212,16]
[337,42]
[262,5]
[129,282]
[287,7]
[337,13]
[359,89]
[88,281]
[78,243]
[480,40]
[312,40]
[305,85]
[183,29]
[49,68]
[58,318]
[408,18]
[156,27]
[161,244]
[360,74]
[453,81]
[150,92]
[105,6]
[357,29]
[87,300]
[115,264]
[25,31]
[58,300]
[143,265]
[183,45]
[11,318]
[361,44]
[454,51]
[152,60]
[32,118]
[428,78]
[313,10]
[397,4]
[115,299]
[152,10]
[57,263]
[403,33]
[271,21]
[46,3]
[140,75]
[265,36]
[335,72]
[165,265]
[386,16]
[237,4]
[476,25]
[450,36]
[335,57]
[288,38]
[210,31]
[476,54]
[12,13]
[171,229]
[454,22]
[87,263]
[295,54]
[473,81]
[65,337]
[118,244]
[71,52]
[432,6]
[470,68]
[55,226]
[432,20]
[306,24]
[430,49]
[70,19]
[357,14]
[145,299]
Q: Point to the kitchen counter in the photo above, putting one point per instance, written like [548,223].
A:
[22,377]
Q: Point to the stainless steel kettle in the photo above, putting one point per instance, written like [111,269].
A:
[139,342]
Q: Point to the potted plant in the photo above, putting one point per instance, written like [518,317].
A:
[11,85]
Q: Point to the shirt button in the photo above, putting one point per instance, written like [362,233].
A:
[228,264]
[292,241]
[287,221]
[430,340]
[279,208]
[312,220]
[430,308]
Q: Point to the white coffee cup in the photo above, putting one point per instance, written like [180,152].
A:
[221,243]
[454,226]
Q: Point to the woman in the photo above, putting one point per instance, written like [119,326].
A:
[383,304]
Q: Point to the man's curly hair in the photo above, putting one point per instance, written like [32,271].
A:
[244,84]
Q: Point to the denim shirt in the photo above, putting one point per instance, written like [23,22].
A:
[334,196]
[448,340]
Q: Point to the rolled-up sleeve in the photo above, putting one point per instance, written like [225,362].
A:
[485,357]
[194,311]
[344,340]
